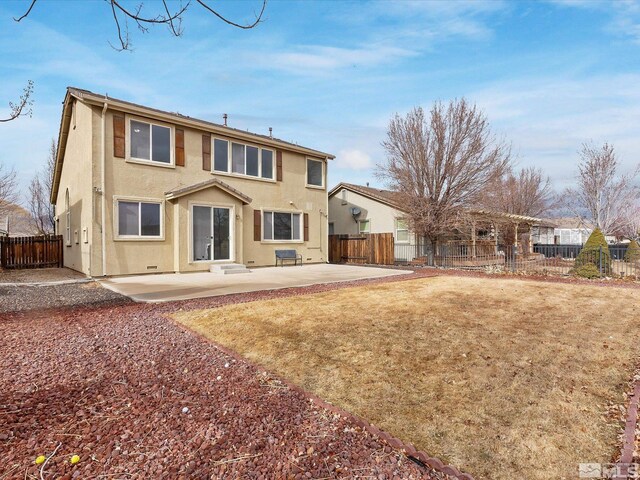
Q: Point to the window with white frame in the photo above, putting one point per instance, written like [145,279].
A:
[364,226]
[402,231]
[67,209]
[149,142]
[281,226]
[241,159]
[315,174]
[139,219]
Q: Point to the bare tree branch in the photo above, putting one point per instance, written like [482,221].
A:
[40,208]
[226,20]
[173,20]
[8,189]
[602,195]
[440,165]
[26,14]
[23,107]
[528,193]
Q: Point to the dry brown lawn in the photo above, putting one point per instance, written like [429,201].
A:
[503,378]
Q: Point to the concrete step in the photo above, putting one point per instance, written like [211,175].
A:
[228,268]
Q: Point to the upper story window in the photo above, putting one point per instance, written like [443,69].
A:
[139,219]
[364,226]
[150,142]
[283,226]
[315,173]
[240,159]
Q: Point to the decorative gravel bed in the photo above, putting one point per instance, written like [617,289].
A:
[18,298]
[136,396]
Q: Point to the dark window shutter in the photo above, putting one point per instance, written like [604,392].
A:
[206,152]
[306,227]
[279,165]
[257,225]
[179,147]
[118,136]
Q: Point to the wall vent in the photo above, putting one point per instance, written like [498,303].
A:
[152,267]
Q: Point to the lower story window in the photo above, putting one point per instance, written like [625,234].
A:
[281,226]
[364,226]
[138,219]
[402,231]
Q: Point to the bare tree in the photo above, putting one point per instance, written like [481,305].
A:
[629,227]
[23,106]
[526,193]
[172,19]
[440,165]
[40,206]
[8,189]
[602,195]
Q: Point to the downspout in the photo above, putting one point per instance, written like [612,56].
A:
[103,207]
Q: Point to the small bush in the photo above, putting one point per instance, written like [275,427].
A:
[633,252]
[588,270]
[591,254]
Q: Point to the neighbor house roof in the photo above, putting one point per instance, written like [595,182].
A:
[214,182]
[388,197]
[97,99]
[570,222]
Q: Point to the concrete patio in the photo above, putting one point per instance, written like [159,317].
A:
[183,286]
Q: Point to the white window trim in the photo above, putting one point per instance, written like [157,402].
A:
[136,238]
[281,210]
[143,161]
[406,229]
[368,220]
[229,172]
[232,231]
[306,173]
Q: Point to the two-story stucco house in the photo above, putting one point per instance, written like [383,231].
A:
[140,190]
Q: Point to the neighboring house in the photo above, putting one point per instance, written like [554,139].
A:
[140,190]
[376,211]
[564,231]
[357,209]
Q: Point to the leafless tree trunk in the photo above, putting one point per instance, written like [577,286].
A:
[8,189]
[163,16]
[526,193]
[440,165]
[40,207]
[23,106]
[603,195]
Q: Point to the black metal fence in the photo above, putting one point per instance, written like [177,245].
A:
[544,259]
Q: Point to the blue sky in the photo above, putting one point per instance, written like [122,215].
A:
[330,74]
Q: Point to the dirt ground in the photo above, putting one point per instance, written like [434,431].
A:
[501,377]
[138,397]
[38,275]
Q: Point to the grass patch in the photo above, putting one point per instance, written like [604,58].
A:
[502,378]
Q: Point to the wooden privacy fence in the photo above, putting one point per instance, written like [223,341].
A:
[31,252]
[371,248]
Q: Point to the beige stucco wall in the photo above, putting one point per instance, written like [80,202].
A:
[128,180]
[382,217]
[77,179]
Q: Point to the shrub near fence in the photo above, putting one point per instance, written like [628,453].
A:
[31,252]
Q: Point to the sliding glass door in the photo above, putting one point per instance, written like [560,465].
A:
[211,233]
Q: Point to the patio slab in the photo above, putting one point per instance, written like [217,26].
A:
[183,286]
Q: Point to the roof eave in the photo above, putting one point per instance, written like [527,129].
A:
[99,100]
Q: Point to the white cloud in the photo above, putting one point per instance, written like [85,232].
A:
[547,119]
[306,59]
[353,159]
